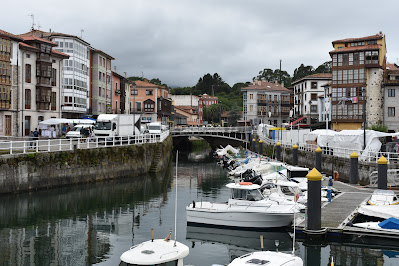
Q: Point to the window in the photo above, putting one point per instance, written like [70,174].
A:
[251,108]
[391,92]
[345,59]
[251,96]
[54,77]
[313,85]
[149,92]
[313,96]
[313,108]
[148,107]
[134,92]
[28,99]
[53,100]
[138,106]
[391,111]
[28,73]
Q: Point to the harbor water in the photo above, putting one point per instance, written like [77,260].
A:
[93,224]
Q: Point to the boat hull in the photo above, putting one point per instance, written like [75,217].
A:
[236,218]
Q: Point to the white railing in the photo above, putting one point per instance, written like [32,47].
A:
[338,151]
[392,178]
[204,130]
[51,145]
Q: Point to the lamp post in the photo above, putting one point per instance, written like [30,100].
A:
[269,114]
[291,113]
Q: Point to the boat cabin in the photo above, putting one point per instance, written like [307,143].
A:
[383,197]
[245,191]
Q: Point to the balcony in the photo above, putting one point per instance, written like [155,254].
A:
[118,92]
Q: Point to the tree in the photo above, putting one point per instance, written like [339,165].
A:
[156,81]
[211,85]
[272,76]
[234,116]
[302,71]
[211,113]
[326,67]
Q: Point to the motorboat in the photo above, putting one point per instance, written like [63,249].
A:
[155,252]
[246,208]
[383,197]
[389,225]
[271,258]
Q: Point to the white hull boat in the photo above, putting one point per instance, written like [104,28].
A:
[267,258]
[247,208]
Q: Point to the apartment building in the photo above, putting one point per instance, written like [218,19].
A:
[307,92]
[266,102]
[357,77]
[205,101]
[190,105]
[100,83]
[391,97]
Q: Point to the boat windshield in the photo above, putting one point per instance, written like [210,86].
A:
[243,194]
[103,126]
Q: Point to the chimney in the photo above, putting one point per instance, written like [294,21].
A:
[124,74]
[259,83]
[114,68]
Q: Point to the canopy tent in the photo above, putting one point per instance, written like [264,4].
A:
[57,121]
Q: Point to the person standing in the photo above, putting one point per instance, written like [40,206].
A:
[35,136]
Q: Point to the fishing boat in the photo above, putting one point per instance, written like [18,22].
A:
[246,208]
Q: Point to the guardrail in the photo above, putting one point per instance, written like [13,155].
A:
[202,130]
[51,145]
[367,156]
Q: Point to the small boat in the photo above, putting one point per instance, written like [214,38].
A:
[389,225]
[246,208]
[267,258]
[383,197]
[155,252]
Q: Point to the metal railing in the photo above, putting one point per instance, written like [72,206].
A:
[392,178]
[204,130]
[367,156]
[52,145]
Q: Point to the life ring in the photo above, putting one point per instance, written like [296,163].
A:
[245,183]
[336,175]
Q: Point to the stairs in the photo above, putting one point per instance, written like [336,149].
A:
[156,160]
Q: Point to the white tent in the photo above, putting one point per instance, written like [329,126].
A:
[57,121]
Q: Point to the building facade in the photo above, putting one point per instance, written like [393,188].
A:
[100,83]
[391,97]
[357,77]
[266,102]
[307,92]
[205,101]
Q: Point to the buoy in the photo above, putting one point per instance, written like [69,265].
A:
[245,183]
[336,175]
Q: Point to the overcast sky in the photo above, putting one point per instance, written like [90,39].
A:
[179,41]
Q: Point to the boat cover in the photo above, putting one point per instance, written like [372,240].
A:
[391,223]
[382,211]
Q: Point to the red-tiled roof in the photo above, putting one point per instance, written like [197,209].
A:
[265,85]
[144,84]
[323,76]
[367,38]
[103,53]
[38,39]
[59,53]
[187,109]
[9,35]
[27,46]
[357,48]
[392,66]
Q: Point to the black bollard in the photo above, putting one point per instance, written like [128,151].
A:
[354,172]
[314,200]
[261,146]
[295,155]
[254,144]
[312,254]
[318,159]
[382,172]
[278,151]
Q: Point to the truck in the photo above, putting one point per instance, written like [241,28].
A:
[154,128]
[117,125]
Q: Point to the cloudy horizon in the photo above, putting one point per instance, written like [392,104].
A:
[180,41]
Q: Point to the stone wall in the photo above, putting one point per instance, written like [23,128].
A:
[329,163]
[375,97]
[45,170]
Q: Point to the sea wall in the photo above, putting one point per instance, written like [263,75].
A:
[329,163]
[35,171]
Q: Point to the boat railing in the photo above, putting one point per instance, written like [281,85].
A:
[392,178]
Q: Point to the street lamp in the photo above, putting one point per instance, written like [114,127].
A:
[291,113]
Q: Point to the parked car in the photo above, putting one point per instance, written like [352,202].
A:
[75,131]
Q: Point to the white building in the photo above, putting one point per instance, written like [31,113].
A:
[185,100]
[391,97]
[307,91]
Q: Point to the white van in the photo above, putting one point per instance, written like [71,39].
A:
[75,131]
[154,128]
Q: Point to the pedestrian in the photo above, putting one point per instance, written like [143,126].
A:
[31,138]
[35,136]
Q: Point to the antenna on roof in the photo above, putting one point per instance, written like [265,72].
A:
[33,21]
[38,25]
[81,33]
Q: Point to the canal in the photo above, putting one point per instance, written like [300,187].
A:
[94,224]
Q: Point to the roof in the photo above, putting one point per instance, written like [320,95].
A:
[23,45]
[367,38]
[144,84]
[37,39]
[208,97]
[266,85]
[104,54]
[357,48]
[390,66]
[187,109]
[44,34]
[55,52]
[10,35]
[323,76]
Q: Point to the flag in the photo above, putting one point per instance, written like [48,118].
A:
[167,238]
[296,195]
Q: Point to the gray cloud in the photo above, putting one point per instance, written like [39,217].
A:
[180,41]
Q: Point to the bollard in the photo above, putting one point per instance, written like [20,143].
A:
[329,188]
[295,155]
[314,200]
[261,146]
[254,143]
[318,159]
[354,172]
[382,172]
[278,151]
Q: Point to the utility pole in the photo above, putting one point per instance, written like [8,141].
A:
[280,72]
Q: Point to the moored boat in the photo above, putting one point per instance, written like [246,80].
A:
[267,258]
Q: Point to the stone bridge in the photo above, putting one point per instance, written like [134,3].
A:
[215,136]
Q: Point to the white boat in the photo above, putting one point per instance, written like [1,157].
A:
[269,258]
[383,197]
[246,208]
[155,252]
[389,225]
